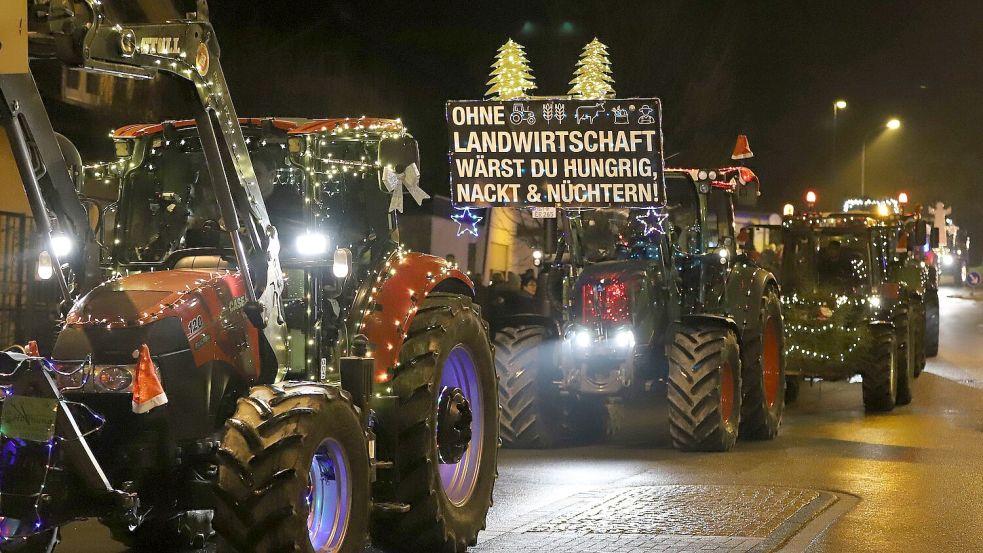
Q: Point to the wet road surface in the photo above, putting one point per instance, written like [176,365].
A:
[835,480]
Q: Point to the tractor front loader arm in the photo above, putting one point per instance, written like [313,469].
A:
[160,38]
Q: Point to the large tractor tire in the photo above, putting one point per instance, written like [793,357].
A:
[763,372]
[448,431]
[904,328]
[931,324]
[704,388]
[880,376]
[293,472]
[532,412]
[14,538]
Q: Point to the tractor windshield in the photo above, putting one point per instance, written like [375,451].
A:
[618,233]
[622,233]
[832,261]
[167,202]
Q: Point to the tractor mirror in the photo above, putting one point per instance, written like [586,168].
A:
[747,193]
[935,238]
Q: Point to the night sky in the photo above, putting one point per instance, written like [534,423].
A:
[770,70]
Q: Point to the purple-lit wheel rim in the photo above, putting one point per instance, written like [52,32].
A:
[458,480]
[329,497]
[8,528]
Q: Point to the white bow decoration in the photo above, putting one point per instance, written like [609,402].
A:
[396,182]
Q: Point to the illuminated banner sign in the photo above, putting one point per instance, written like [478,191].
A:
[556,152]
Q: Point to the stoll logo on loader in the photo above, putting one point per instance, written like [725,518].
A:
[160,45]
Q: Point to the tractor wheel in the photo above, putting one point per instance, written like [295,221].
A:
[532,411]
[704,388]
[763,374]
[931,324]
[14,540]
[293,472]
[793,385]
[904,328]
[448,431]
[880,377]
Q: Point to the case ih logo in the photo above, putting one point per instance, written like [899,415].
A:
[160,45]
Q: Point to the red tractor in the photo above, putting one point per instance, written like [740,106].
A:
[263,354]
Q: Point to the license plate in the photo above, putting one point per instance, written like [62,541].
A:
[29,418]
[544,213]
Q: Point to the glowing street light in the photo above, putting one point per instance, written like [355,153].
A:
[892,124]
[837,106]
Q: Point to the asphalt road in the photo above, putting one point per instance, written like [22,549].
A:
[909,480]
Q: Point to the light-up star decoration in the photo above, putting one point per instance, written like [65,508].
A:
[653,219]
[467,222]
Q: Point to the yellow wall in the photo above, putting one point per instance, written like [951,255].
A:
[12,197]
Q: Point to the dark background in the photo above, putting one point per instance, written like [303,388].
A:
[770,70]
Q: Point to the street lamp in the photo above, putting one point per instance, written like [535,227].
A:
[837,106]
[892,124]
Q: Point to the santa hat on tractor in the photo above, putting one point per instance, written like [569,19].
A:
[742,150]
[148,392]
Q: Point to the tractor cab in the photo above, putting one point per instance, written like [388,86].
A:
[324,184]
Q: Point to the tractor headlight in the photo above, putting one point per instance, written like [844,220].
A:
[581,337]
[45,268]
[342,263]
[312,244]
[61,245]
[113,378]
[624,338]
[948,260]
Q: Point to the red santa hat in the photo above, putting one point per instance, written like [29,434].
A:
[148,392]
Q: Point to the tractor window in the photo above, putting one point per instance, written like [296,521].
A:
[167,203]
[617,233]
[720,218]
[833,261]
[683,206]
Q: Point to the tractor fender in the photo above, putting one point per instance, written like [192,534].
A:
[394,296]
[710,319]
[745,290]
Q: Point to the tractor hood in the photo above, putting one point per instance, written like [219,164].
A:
[137,298]
[170,311]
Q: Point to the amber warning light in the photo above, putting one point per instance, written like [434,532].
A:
[811,198]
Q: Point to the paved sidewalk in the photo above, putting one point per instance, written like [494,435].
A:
[671,518]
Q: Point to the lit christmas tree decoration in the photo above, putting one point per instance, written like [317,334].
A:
[592,79]
[511,76]
[467,222]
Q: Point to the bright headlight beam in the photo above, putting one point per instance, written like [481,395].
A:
[61,245]
[582,339]
[312,244]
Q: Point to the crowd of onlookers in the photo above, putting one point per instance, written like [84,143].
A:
[507,293]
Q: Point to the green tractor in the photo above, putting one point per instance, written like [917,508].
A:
[643,299]
[853,291]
